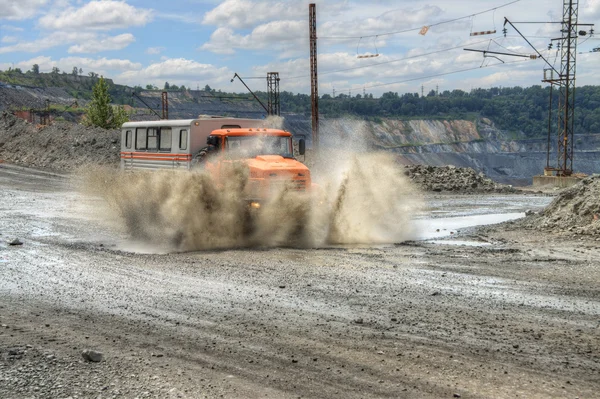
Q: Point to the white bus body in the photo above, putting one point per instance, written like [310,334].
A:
[171,143]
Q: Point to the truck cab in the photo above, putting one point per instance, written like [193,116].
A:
[268,155]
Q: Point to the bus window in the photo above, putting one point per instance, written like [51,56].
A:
[152,138]
[183,137]
[165,139]
[141,138]
[230,127]
[128,135]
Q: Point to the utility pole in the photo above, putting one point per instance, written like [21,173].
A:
[566,102]
[314,80]
[273,103]
[165,105]
[437,90]
[564,79]
[422,91]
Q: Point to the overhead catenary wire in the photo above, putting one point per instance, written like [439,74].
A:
[390,61]
[436,75]
[419,28]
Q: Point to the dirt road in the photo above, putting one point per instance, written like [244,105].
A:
[517,318]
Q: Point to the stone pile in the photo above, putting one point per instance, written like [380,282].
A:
[453,179]
[60,146]
[576,210]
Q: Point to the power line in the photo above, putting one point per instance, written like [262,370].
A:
[419,28]
[440,74]
[390,61]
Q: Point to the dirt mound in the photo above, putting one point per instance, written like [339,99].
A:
[576,210]
[61,146]
[453,179]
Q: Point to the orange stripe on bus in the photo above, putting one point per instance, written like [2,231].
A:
[156,156]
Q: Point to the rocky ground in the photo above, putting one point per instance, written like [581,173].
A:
[62,146]
[513,314]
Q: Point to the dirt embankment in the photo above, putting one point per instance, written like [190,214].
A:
[576,210]
[61,146]
[452,179]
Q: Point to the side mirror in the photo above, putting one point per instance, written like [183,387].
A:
[302,146]
[212,140]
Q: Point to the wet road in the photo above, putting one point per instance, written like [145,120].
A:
[519,317]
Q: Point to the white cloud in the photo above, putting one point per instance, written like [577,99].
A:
[52,40]
[243,14]
[9,39]
[85,42]
[102,66]
[590,9]
[177,71]
[154,50]
[118,42]
[11,28]
[18,10]
[97,15]
[286,37]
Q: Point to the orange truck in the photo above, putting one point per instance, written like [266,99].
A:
[216,143]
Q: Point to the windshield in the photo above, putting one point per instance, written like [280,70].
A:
[251,146]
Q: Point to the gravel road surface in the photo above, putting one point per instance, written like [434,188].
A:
[516,317]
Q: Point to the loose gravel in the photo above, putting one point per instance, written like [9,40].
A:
[62,146]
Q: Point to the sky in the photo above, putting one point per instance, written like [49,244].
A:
[197,43]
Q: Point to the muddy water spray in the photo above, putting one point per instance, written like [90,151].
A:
[362,197]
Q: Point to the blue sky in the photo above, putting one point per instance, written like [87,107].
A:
[195,42]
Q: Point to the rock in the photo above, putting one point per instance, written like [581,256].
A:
[456,395]
[15,242]
[358,321]
[436,293]
[92,355]
[529,212]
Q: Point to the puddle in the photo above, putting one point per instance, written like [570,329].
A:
[445,227]
[461,243]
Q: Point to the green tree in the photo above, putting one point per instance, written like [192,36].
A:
[35,69]
[100,113]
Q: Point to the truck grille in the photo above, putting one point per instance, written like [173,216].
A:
[276,186]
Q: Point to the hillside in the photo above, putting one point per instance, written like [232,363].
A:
[452,128]
[522,112]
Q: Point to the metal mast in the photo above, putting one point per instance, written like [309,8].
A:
[566,85]
[273,91]
[566,105]
[314,81]
[564,79]
[165,105]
